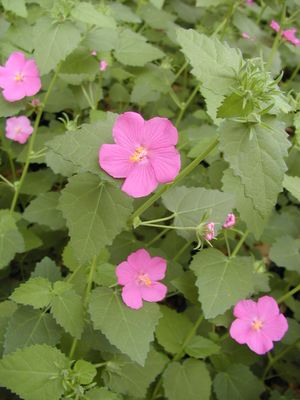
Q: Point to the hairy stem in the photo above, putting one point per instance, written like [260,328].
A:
[240,243]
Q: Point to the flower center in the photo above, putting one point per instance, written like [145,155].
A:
[19,77]
[140,154]
[143,279]
[18,130]
[257,324]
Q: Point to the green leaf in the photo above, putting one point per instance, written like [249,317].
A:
[85,372]
[172,330]
[43,210]
[86,12]
[96,211]
[47,269]
[256,223]
[292,184]
[7,109]
[256,154]
[237,383]
[53,43]
[132,49]
[221,281]
[189,380]
[67,308]
[31,240]
[36,292]
[191,204]
[215,64]
[38,182]
[101,393]
[11,240]
[34,373]
[28,326]
[185,283]
[285,252]
[18,7]
[7,308]
[129,330]
[201,347]
[81,147]
[132,379]
[233,106]
[101,39]
[209,3]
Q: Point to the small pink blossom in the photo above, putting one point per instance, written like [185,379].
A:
[258,324]
[275,25]
[230,221]
[140,275]
[19,77]
[144,153]
[290,36]
[18,129]
[250,2]
[245,35]
[210,231]
[103,65]
[93,53]
[36,103]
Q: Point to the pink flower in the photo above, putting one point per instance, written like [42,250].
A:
[245,35]
[36,103]
[19,77]
[230,221]
[289,35]
[250,2]
[18,129]
[139,276]
[275,25]
[93,53]
[144,153]
[103,65]
[210,231]
[258,324]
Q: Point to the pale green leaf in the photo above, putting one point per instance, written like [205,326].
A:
[86,12]
[31,240]
[85,371]
[121,12]
[11,240]
[189,380]
[185,283]
[201,347]
[132,49]
[28,326]
[101,39]
[96,211]
[34,373]
[53,43]
[38,182]
[131,331]
[221,281]
[43,210]
[101,393]
[210,3]
[237,383]
[18,7]
[47,269]
[36,292]
[285,252]
[292,184]
[172,330]
[191,204]
[7,308]
[67,308]
[256,154]
[8,109]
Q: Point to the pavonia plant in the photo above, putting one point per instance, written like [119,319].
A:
[149,200]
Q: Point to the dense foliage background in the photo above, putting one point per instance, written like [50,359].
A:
[230,83]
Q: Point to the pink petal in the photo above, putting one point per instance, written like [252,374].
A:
[32,85]
[114,159]
[259,342]
[159,132]
[156,292]
[267,308]
[128,130]
[5,77]
[125,273]
[245,310]
[240,330]
[14,91]
[139,260]
[141,181]
[30,69]
[276,328]
[156,269]
[166,163]
[131,296]
[15,62]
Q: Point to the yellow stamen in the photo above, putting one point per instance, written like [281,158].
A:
[139,154]
[257,325]
[19,77]
[145,280]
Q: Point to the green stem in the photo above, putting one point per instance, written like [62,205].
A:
[99,365]
[186,171]
[157,237]
[240,243]
[85,301]
[277,40]
[7,181]
[87,98]
[12,166]
[288,294]
[186,105]
[153,221]
[182,250]
[262,10]
[227,243]
[293,76]
[32,140]
[181,71]
[183,228]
